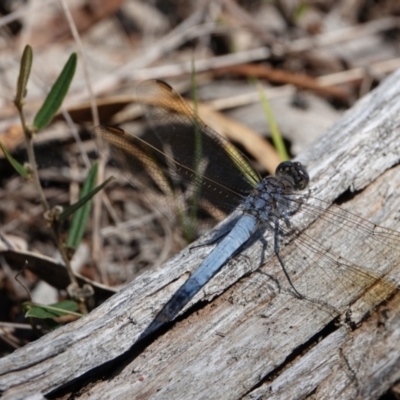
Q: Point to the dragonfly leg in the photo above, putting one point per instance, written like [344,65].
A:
[271,278]
[276,249]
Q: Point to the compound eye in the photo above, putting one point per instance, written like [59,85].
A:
[283,168]
[303,181]
[295,172]
[302,177]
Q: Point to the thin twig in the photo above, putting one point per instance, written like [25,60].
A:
[75,34]
[276,75]
[15,325]
[379,68]
[208,64]
[76,136]
[344,35]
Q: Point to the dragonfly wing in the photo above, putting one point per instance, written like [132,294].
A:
[194,166]
[353,260]
[177,191]
[192,142]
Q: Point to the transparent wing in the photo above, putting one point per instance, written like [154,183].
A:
[180,193]
[185,167]
[353,260]
[191,141]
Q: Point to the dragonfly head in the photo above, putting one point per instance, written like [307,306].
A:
[294,172]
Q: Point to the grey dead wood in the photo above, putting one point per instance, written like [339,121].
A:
[246,338]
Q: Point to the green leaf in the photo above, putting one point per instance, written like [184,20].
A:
[82,207]
[24,71]
[72,208]
[56,95]
[81,215]
[273,126]
[66,307]
[16,165]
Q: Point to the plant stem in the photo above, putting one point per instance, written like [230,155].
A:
[54,224]
[32,160]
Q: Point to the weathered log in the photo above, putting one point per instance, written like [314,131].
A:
[244,335]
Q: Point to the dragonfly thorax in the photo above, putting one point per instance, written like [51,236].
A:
[264,201]
[272,197]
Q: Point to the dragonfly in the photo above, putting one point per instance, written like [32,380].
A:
[199,169]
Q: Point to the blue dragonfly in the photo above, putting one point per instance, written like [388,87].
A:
[200,170]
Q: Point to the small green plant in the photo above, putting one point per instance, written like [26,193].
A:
[56,216]
[51,315]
